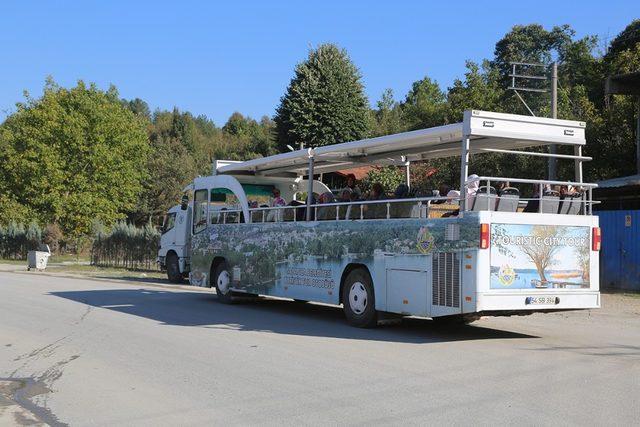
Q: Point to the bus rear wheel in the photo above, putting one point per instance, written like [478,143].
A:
[222,283]
[358,299]
[173,269]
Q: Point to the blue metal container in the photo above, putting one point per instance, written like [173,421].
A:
[620,252]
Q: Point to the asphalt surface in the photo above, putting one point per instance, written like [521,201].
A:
[90,352]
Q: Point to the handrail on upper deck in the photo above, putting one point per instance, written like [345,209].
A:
[422,208]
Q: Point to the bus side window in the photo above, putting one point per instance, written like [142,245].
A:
[200,205]
[223,200]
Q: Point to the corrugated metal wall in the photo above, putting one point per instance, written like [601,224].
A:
[620,252]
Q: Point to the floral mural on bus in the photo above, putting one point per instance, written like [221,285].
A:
[270,258]
[539,256]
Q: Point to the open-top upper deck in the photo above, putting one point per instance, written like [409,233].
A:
[486,131]
[479,132]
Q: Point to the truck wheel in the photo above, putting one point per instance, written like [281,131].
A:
[358,300]
[173,269]
[222,283]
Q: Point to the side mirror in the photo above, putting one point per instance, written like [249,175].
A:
[184,203]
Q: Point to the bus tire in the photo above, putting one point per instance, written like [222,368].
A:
[173,268]
[222,283]
[358,299]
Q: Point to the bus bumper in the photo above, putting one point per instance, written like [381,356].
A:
[534,301]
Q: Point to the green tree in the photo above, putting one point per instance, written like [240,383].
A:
[389,177]
[240,125]
[72,156]
[324,103]
[138,107]
[529,44]
[626,40]
[425,105]
[387,119]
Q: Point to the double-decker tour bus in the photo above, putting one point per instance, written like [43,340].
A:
[497,246]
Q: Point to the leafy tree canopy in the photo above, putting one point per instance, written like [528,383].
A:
[324,103]
[71,157]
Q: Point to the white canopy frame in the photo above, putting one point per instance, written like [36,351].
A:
[479,132]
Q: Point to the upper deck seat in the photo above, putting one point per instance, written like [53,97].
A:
[375,211]
[256,216]
[485,199]
[508,200]
[401,209]
[568,206]
[550,202]
[576,204]
[326,213]
[571,204]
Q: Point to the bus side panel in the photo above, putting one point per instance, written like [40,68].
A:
[306,260]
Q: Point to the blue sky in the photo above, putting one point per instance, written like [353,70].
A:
[216,58]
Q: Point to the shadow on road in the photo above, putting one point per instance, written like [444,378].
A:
[184,308]
[129,279]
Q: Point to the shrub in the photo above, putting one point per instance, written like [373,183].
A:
[126,246]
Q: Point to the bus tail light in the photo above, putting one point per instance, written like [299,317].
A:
[596,239]
[484,236]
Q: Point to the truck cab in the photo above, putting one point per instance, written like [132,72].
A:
[173,255]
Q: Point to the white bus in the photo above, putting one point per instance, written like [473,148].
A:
[530,246]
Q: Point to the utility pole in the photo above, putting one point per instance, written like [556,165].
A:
[523,78]
[554,115]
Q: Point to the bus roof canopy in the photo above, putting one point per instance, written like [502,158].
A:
[487,132]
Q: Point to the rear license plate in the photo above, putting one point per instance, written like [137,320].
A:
[542,300]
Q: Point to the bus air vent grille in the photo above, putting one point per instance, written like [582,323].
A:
[446,279]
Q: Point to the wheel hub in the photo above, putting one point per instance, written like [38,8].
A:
[358,298]
[223,282]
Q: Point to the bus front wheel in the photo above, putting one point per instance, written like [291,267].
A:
[173,269]
[358,300]
[222,283]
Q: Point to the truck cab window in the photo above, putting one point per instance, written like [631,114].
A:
[169,222]
[200,205]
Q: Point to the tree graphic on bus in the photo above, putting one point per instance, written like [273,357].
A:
[541,256]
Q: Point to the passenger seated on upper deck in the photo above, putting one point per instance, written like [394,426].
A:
[328,212]
[375,210]
[453,198]
[296,212]
[502,186]
[472,185]
[567,191]
[377,192]
[353,210]
[277,200]
[256,215]
[345,195]
[402,192]
[401,209]
[352,185]
[442,191]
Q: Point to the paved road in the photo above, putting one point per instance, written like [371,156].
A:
[107,353]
